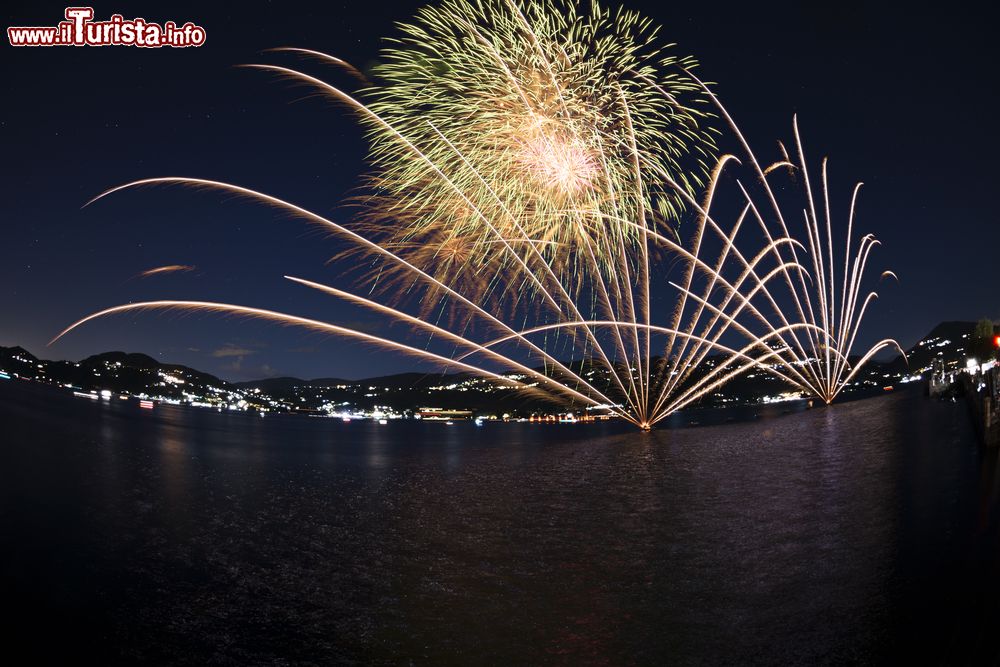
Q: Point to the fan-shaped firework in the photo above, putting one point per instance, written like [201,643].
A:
[824,349]
[531,164]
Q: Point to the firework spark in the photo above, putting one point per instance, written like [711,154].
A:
[169,268]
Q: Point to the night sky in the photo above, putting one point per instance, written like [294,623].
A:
[906,102]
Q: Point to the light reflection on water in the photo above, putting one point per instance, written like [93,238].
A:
[863,532]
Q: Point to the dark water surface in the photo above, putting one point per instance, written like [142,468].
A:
[865,533]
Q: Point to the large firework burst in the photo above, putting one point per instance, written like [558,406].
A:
[537,125]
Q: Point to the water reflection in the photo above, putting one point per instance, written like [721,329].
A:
[863,532]
[173,462]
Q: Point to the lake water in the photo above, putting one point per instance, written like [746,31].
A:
[868,532]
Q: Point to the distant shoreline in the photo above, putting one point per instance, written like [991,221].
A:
[695,417]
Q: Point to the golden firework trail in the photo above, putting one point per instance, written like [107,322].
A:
[160,270]
[531,165]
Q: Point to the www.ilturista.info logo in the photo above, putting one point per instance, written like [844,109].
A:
[79,29]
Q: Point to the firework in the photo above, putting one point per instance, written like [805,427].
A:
[536,126]
[824,351]
[531,165]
